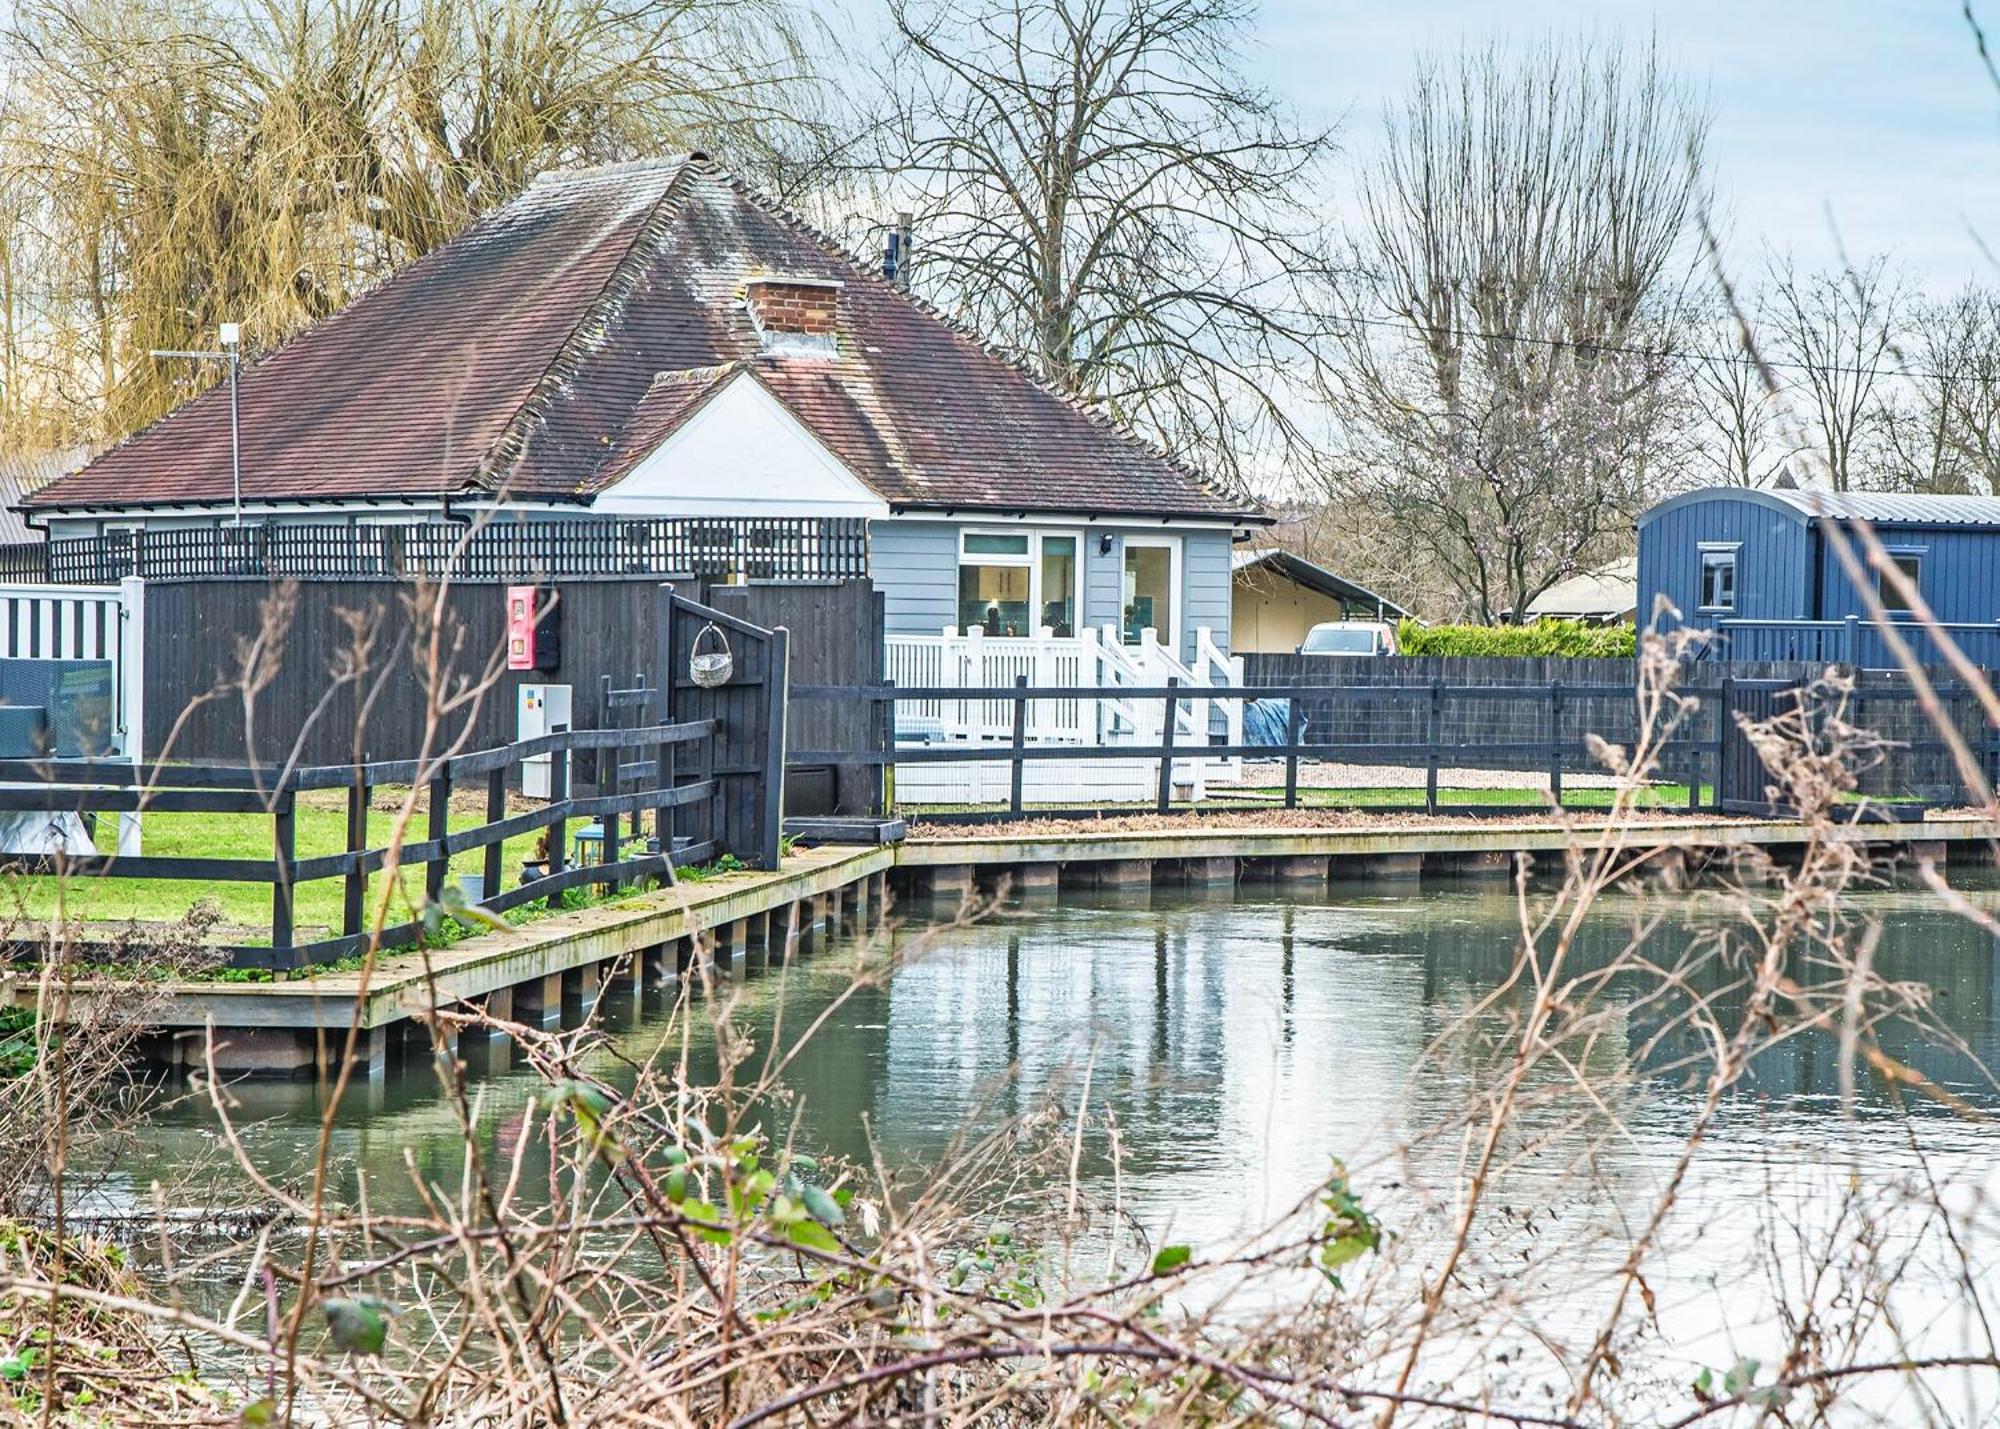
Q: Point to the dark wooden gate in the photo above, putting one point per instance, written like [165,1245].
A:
[747,753]
[1743,784]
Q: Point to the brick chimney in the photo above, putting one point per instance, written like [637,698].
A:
[795,316]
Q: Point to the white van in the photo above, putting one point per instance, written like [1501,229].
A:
[1350,637]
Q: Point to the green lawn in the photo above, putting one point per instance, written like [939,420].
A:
[321,829]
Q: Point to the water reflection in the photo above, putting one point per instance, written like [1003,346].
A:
[1240,1045]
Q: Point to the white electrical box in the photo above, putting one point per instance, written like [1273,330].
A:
[541,709]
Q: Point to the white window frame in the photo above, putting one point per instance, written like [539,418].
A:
[1170,637]
[1733,550]
[1031,561]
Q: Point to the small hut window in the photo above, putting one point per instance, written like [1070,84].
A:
[1911,566]
[1718,580]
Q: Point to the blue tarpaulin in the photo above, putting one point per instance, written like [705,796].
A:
[1264,722]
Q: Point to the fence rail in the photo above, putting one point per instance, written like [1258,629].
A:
[626,789]
[1853,641]
[1432,728]
[757,549]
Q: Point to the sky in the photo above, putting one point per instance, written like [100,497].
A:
[1864,125]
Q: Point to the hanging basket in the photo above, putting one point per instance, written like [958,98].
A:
[709,662]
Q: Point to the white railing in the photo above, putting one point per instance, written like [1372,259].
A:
[1090,659]
[75,622]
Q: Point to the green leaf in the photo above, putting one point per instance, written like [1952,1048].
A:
[14,1367]
[1171,1257]
[358,1324]
[822,1207]
[810,1236]
[257,1413]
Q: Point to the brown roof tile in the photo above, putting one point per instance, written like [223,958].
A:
[556,341]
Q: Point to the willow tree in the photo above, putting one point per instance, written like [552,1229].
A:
[1524,261]
[1099,192]
[195,163]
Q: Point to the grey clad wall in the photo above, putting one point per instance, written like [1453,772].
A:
[915,566]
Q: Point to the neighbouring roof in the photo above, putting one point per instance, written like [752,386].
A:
[1612,590]
[21,476]
[1310,574]
[544,351]
[1881,508]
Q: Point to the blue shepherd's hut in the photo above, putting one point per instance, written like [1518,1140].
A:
[1756,568]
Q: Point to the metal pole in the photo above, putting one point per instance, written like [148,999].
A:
[235,438]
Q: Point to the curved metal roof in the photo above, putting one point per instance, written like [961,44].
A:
[1879,508]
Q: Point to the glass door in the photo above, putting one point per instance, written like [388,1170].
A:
[1151,564]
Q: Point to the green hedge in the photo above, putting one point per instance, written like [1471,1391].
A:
[1568,638]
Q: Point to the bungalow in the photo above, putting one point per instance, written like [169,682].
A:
[1756,568]
[653,340]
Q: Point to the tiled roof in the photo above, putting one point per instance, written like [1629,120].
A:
[556,341]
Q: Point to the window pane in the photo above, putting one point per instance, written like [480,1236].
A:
[994,598]
[1149,599]
[1718,580]
[1059,584]
[1892,599]
[984,545]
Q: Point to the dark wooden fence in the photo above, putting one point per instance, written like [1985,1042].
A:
[584,547]
[1437,725]
[321,705]
[660,783]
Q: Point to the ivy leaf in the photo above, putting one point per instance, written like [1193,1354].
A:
[1171,1257]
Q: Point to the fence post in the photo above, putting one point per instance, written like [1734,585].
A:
[1851,641]
[1172,708]
[130,673]
[558,831]
[1555,740]
[1433,724]
[436,871]
[1014,773]
[1722,719]
[284,839]
[354,890]
[663,816]
[777,696]
[496,810]
[1292,751]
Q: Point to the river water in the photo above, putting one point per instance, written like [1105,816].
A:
[1240,1043]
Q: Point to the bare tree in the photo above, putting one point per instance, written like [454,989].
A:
[1101,193]
[1833,334]
[1943,419]
[1737,438]
[1524,257]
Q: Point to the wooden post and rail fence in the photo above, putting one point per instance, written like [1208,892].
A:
[706,769]
[1425,729]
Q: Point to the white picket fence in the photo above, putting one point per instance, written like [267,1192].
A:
[1091,659]
[77,622]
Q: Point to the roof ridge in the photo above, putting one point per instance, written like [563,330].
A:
[653,163]
[625,275]
[1088,411]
